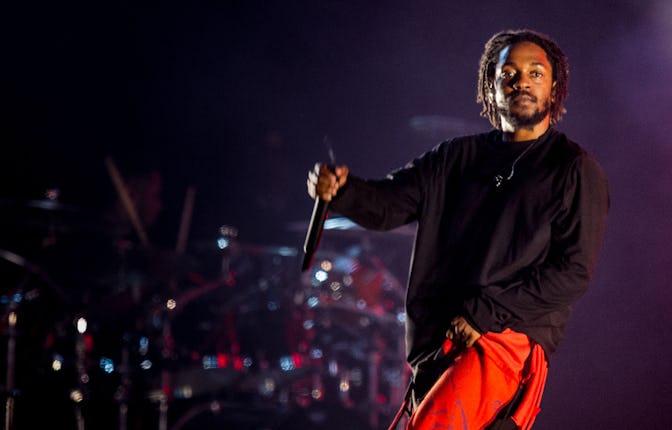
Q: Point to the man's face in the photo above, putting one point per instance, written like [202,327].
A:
[523,86]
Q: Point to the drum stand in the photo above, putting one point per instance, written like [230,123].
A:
[11,356]
[12,318]
[375,358]
[124,386]
[166,352]
[162,395]
[78,395]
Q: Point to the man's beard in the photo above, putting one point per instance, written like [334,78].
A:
[519,120]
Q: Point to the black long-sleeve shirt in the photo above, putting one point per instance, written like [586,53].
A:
[514,256]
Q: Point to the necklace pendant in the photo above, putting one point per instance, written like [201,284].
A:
[498,180]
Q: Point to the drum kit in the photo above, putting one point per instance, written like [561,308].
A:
[225,334]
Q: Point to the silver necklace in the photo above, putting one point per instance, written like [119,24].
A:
[500,179]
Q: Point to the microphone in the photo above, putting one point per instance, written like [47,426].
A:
[314,232]
[320,210]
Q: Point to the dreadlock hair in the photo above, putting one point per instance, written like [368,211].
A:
[490,57]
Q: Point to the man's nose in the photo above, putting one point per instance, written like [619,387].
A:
[520,82]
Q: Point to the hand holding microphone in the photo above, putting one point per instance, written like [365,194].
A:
[323,184]
[324,181]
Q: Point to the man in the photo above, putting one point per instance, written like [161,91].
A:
[509,226]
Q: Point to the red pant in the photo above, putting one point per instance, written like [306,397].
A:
[481,381]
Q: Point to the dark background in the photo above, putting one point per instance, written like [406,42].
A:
[202,92]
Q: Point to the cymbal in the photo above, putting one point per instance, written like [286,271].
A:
[40,215]
[343,224]
[44,204]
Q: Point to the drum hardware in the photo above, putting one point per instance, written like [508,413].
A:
[253,332]
[12,317]
[354,315]
[36,270]
[167,351]
[79,395]
[47,217]
[13,314]
[123,391]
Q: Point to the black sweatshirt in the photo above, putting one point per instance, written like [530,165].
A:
[515,255]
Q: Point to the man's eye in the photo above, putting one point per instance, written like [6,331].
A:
[537,75]
[506,74]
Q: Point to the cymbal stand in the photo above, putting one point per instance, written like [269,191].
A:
[166,352]
[11,363]
[163,395]
[12,319]
[375,358]
[125,384]
[226,242]
[78,395]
